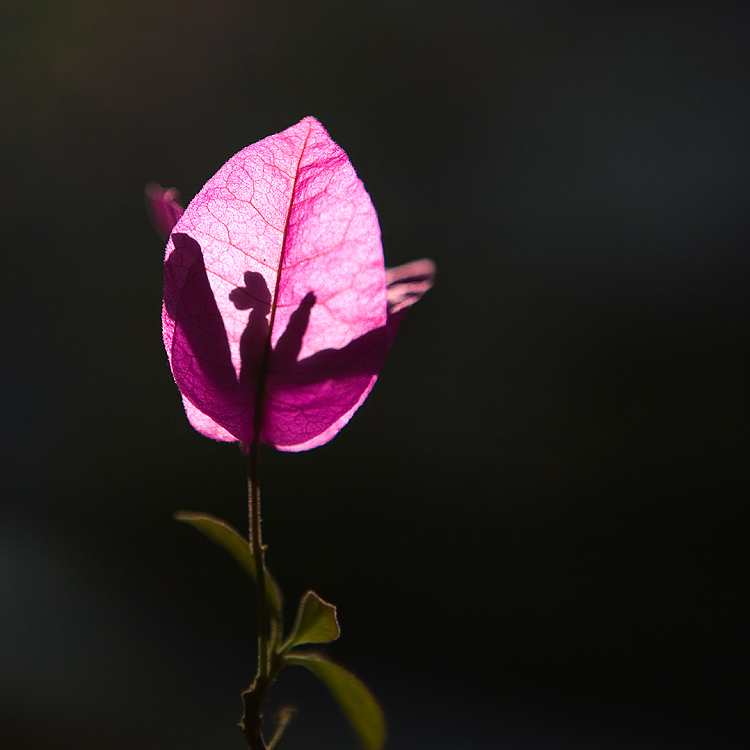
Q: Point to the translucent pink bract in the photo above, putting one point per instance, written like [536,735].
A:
[275,296]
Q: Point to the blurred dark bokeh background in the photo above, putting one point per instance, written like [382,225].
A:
[536,529]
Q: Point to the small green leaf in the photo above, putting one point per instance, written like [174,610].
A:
[356,701]
[238,547]
[316,622]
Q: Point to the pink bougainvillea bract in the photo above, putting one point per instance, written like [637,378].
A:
[278,310]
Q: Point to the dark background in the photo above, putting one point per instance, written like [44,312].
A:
[536,528]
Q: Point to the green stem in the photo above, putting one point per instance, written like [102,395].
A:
[256,695]
[259,556]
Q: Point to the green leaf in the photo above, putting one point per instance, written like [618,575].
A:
[236,545]
[356,701]
[316,622]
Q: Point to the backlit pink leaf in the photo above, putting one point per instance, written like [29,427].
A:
[276,298]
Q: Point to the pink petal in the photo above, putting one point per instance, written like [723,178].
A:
[407,284]
[286,230]
[163,207]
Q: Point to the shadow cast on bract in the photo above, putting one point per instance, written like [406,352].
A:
[301,398]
